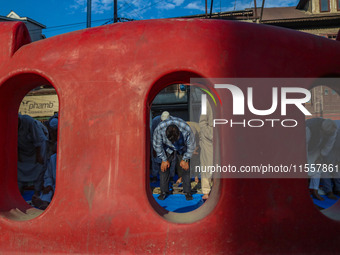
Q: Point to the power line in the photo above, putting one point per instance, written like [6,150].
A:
[126,3]
[107,20]
[151,5]
[59,27]
[132,10]
[122,6]
[83,26]
[119,19]
[146,7]
[115,13]
[78,23]
[129,5]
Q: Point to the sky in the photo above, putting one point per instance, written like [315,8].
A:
[62,16]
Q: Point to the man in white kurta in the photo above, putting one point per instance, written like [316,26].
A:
[195,160]
[31,153]
[207,155]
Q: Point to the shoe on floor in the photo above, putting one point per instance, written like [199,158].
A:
[162,196]
[314,193]
[331,195]
[188,196]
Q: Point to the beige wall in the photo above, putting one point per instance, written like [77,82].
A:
[322,32]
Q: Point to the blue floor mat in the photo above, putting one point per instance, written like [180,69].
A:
[326,203]
[28,194]
[178,203]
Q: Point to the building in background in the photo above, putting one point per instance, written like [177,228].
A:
[42,102]
[34,28]
[324,103]
[317,17]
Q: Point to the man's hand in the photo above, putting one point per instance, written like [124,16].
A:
[165,165]
[184,165]
[47,189]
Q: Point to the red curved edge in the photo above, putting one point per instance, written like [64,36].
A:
[15,35]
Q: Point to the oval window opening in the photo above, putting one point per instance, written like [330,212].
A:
[27,100]
[323,149]
[179,149]
[37,145]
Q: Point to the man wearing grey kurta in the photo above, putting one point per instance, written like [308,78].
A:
[320,137]
[331,179]
[31,153]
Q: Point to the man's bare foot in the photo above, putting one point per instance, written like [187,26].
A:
[205,197]
[179,180]
[196,179]
[316,195]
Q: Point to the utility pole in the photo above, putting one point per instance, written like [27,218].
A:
[115,11]
[88,21]
[262,11]
[206,8]
[211,7]
[255,7]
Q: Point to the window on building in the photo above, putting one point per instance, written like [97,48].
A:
[338,5]
[332,36]
[326,92]
[324,5]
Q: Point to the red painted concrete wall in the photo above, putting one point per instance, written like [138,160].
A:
[106,78]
